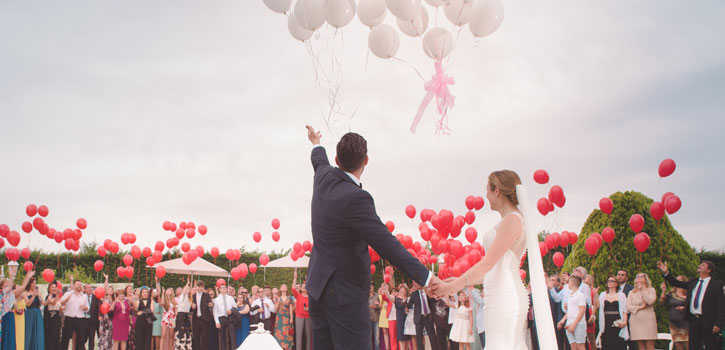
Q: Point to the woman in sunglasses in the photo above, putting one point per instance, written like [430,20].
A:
[613,317]
[243,309]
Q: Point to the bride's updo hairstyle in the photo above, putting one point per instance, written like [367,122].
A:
[505,181]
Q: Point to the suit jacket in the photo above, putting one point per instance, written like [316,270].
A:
[626,289]
[557,313]
[344,223]
[713,302]
[206,311]
[415,303]
[95,305]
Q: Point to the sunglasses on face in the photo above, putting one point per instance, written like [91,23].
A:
[611,281]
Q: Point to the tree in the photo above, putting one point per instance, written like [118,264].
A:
[666,244]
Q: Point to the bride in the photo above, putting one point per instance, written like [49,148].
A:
[505,299]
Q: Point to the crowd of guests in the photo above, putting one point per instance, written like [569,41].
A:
[402,317]
[191,317]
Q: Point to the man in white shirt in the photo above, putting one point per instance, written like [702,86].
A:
[477,297]
[223,305]
[576,326]
[76,305]
[264,307]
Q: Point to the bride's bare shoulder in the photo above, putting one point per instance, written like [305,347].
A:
[512,224]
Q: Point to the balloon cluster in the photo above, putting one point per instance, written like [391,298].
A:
[545,205]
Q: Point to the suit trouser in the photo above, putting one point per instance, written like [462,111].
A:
[427,322]
[77,325]
[701,335]
[227,337]
[303,330]
[199,333]
[339,327]
[443,328]
[92,329]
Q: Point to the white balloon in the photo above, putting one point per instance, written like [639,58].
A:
[339,12]
[403,9]
[458,11]
[486,17]
[296,29]
[383,41]
[279,6]
[309,13]
[437,43]
[371,12]
[417,26]
[436,3]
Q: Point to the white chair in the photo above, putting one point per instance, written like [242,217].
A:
[666,336]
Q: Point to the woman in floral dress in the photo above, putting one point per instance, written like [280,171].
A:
[168,320]
[105,328]
[283,329]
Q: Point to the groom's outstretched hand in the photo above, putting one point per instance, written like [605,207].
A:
[313,135]
[434,281]
[444,288]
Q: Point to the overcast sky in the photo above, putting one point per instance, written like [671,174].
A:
[131,113]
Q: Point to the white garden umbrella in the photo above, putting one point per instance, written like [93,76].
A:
[199,267]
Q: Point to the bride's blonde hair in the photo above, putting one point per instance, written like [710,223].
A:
[505,181]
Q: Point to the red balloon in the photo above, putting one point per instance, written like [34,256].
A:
[107,244]
[591,245]
[599,239]
[297,248]
[386,278]
[564,239]
[667,167]
[105,308]
[31,210]
[136,252]
[666,196]
[202,230]
[14,238]
[182,225]
[127,259]
[173,227]
[4,230]
[160,271]
[180,233]
[157,256]
[166,225]
[99,292]
[25,253]
[82,223]
[641,242]
[186,258]
[470,202]
[150,261]
[425,233]
[214,252]
[121,272]
[146,252]
[220,282]
[275,224]
[673,204]
[257,237]
[101,251]
[478,203]
[190,225]
[543,248]
[410,211]
[43,211]
[190,232]
[543,205]
[522,273]
[129,272]
[98,265]
[606,205]
[263,259]
[407,242]
[114,248]
[237,254]
[471,234]
[185,247]
[390,225]
[159,246]
[556,194]
[456,248]
[131,239]
[253,268]
[77,234]
[199,251]
[608,234]
[27,266]
[573,238]
[636,223]
[558,259]
[275,236]
[541,177]
[372,269]
[48,275]
[27,227]
[307,246]
[657,210]
[426,214]
[229,254]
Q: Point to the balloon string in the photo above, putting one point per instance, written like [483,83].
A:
[411,66]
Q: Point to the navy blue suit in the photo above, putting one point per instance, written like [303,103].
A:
[344,223]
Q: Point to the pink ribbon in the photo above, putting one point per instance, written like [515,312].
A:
[438,87]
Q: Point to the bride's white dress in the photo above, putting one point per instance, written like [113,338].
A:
[506,302]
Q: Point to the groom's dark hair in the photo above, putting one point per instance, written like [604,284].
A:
[351,152]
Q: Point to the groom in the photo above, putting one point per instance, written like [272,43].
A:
[344,223]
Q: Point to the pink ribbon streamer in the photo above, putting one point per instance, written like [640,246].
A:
[438,87]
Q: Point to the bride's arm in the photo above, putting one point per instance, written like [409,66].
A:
[509,231]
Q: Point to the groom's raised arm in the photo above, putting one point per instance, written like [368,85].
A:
[365,222]
[319,156]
